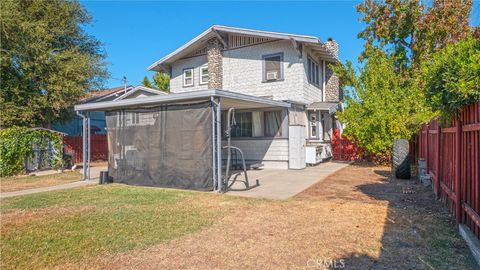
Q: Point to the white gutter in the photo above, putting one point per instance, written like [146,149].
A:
[177,97]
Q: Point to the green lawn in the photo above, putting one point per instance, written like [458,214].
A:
[50,229]
[14,183]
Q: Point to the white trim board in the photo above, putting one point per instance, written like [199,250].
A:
[179,97]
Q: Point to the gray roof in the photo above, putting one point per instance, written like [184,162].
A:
[228,99]
[141,88]
[216,30]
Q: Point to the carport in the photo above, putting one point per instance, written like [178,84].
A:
[169,140]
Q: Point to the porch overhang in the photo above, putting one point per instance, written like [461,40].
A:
[229,99]
[331,107]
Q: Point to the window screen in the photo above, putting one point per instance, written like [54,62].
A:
[273,122]
[188,77]
[243,128]
[272,67]
[313,124]
[204,75]
[314,72]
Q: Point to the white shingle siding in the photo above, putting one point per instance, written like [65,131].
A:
[176,81]
[243,71]
[270,152]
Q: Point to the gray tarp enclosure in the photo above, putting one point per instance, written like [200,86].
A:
[164,146]
[163,141]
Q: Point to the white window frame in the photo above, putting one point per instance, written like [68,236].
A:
[312,124]
[314,77]
[185,78]
[201,75]
[264,74]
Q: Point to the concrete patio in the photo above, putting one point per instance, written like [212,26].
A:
[283,184]
[274,183]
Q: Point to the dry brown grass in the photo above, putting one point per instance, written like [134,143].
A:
[15,183]
[356,216]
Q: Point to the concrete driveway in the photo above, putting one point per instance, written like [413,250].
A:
[283,184]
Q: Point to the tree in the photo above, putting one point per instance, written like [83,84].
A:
[146,82]
[162,81]
[412,31]
[381,104]
[47,61]
[390,96]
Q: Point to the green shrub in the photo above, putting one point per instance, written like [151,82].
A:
[452,77]
[17,143]
[382,104]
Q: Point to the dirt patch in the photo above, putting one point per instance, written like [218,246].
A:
[358,218]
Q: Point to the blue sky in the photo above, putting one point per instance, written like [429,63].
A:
[136,34]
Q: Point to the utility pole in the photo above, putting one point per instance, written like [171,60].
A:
[125,84]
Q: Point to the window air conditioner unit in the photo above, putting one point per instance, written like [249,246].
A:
[272,75]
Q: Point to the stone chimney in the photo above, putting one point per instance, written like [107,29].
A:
[332,46]
[215,67]
[332,82]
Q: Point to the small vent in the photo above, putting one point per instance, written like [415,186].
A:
[235,41]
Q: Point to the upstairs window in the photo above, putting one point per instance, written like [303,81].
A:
[273,67]
[314,72]
[188,77]
[203,75]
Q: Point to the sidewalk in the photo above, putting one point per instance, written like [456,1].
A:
[45,189]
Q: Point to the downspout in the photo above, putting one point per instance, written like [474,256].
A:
[84,147]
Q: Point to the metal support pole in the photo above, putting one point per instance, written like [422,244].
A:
[214,167]
[84,145]
[219,146]
[89,148]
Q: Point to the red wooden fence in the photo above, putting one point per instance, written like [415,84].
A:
[99,147]
[452,155]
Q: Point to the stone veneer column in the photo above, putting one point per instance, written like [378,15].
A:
[332,82]
[215,67]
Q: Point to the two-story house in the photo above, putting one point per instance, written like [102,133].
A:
[282,89]
[287,67]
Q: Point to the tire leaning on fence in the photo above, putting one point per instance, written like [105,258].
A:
[401,159]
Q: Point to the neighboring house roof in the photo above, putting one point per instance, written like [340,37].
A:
[228,99]
[219,31]
[119,92]
[106,94]
[139,89]
[51,130]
